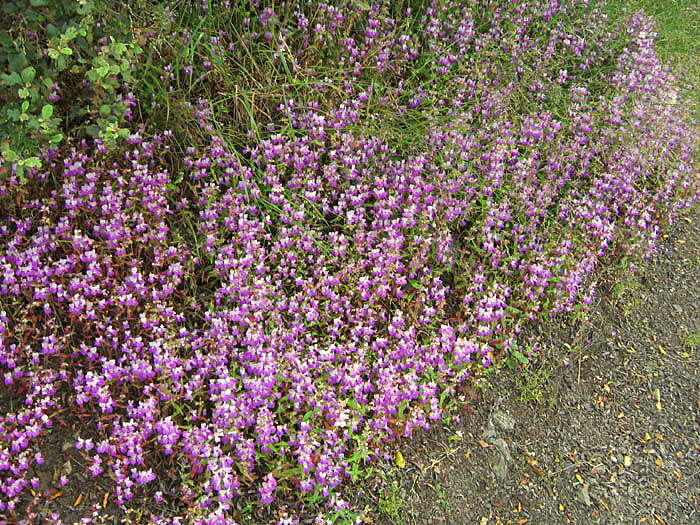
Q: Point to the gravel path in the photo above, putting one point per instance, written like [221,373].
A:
[603,428]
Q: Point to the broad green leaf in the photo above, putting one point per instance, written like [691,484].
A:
[28,74]
[5,40]
[47,111]
[9,155]
[66,51]
[9,8]
[25,106]
[12,79]
[33,162]
[520,357]
[23,92]
[70,33]
[58,137]
[17,61]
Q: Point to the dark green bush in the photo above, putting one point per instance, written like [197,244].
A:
[60,71]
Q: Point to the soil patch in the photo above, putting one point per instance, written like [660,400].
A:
[601,428]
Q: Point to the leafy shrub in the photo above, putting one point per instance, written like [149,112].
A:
[64,67]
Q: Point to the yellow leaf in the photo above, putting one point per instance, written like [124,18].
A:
[400,462]
[647,437]
[483,443]
[579,478]
[661,349]
[658,405]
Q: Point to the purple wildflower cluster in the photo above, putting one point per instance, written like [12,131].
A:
[260,314]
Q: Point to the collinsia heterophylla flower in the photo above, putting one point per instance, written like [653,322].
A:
[323,251]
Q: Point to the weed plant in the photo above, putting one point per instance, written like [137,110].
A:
[323,221]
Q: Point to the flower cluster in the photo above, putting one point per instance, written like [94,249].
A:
[259,314]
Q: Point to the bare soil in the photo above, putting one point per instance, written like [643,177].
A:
[601,428]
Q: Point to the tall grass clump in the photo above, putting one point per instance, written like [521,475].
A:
[325,219]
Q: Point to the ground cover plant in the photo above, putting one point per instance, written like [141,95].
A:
[277,238]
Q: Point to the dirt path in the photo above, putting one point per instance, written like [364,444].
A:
[609,431]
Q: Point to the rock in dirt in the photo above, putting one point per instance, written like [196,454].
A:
[503,421]
[583,496]
[503,458]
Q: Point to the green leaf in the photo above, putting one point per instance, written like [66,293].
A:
[9,155]
[9,8]
[28,74]
[52,31]
[520,357]
[60,63]
[39,3]
[66,51]
[33,162]
[400,461]
[105,109]
[23,92]
[12,79]
[58,137]
[103,71]
[25,106]
[47,111]
[17,61]
[5,40]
